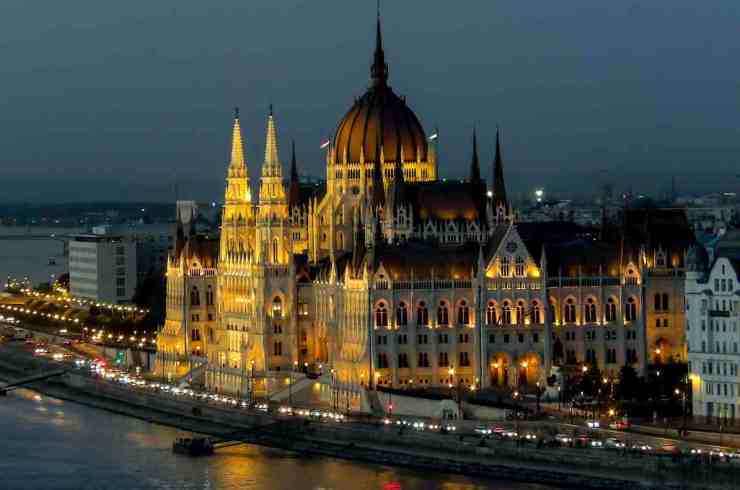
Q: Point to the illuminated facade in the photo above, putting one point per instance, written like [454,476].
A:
[713,318]
[388,274]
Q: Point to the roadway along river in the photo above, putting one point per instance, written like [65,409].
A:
[51,444]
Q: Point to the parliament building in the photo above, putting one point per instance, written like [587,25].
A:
[388,274]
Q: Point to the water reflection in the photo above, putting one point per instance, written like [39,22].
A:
[54,444]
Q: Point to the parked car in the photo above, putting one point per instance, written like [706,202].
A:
[614,443]
[483,430]
[641,446]
[564,439]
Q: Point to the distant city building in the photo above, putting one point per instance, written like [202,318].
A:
[712,323]
[102,266]
[390,275]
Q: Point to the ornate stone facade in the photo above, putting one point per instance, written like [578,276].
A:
[387,274]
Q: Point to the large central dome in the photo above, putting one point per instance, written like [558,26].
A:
[380,118]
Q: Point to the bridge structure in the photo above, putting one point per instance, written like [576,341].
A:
[5,388]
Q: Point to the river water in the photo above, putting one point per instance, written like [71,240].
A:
[52,444]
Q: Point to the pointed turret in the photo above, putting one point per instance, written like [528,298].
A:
[378,196]
[358,243]
[237,176]
[474,164]
[237,165]
[271,166]
[294,192]
[396,195]
[499,189]
[273,201]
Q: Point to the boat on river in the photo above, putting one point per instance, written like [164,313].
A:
[193,446]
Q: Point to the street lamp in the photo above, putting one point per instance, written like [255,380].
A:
[451,372]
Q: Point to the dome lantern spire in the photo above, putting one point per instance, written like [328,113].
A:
[379,68]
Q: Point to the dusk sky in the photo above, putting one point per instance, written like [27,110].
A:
[121,100]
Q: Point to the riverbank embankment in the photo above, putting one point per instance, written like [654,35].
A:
[569,468]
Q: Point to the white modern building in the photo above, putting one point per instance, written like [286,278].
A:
[102,266]
[712,321]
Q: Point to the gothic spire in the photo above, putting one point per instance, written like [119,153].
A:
[474,164]
[499,189]
[378,196]
[271,166]
[294,193]
[396,194]
[237,163]
[379,68]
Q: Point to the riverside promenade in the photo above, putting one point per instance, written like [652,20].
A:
[374,442]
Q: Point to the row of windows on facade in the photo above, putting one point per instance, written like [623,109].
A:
[720,305]
[723,285]
[195,296]
[591,358]
[715,325]
[591,335]
[425,381]
[443,338]
[716,347]
[196,317]
[509,313]
[443,360]
[716,389]
[720,368]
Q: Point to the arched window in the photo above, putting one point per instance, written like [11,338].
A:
[657,302]
[507,313]
[277,307]
[590,310]
[611,310]
[402,315]
[491,313]
[443,317]
[422,314]
[194,297]
[536,313]
[463,313]
[664,303]
[505,266]
[570,310]
[519,312]
[209,296]
[381,315]
[630,310]
[519,267]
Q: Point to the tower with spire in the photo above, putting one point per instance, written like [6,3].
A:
[238,210]
[500,208]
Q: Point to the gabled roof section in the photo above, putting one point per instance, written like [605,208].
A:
[424,261]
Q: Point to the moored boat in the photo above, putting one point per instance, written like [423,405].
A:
[193,446]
